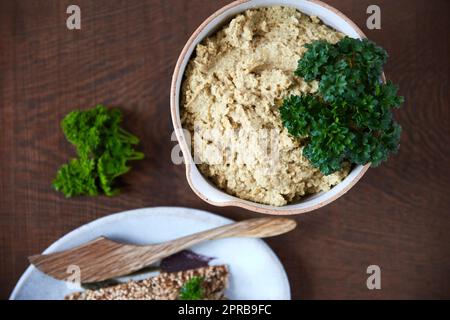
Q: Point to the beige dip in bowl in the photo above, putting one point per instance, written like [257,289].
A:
[233,86]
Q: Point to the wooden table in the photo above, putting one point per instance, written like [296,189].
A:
[397,216]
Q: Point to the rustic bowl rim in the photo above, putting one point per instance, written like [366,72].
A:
[174,107]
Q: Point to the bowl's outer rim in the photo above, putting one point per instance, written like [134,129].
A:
[255,207]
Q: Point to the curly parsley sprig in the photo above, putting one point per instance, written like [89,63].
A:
[103,148]
[350,117]
[192,289]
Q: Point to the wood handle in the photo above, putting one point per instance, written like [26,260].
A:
[253,228]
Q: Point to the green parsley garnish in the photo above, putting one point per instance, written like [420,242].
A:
[192,289]
[103,148]
[350,117]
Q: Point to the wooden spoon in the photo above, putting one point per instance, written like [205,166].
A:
[103,258]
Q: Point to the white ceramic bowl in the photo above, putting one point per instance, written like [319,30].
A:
[201,185]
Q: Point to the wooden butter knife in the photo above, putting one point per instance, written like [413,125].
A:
[103,259]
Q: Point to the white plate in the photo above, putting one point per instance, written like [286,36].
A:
[255,271]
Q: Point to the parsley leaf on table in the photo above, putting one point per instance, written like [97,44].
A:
[103,148]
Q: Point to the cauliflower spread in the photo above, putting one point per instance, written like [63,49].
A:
[231,93]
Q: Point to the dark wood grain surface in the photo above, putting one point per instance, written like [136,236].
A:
[397,216]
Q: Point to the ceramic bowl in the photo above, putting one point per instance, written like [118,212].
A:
[200,184]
